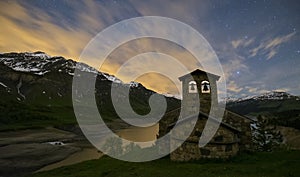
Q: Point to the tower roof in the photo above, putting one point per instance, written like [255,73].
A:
[198,72]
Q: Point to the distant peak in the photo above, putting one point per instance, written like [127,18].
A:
[271,95]
[275,93]
[39,54]
[40,63]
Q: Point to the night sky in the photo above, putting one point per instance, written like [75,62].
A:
[257,42]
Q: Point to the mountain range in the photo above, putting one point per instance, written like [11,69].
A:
[36,91]
[280,107]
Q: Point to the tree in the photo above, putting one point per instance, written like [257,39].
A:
[265,135]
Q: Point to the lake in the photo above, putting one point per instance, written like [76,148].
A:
[138,134]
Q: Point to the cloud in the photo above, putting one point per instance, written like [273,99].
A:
[148,63]
[233,65]
[257,90]
[270,47]
[282,90]
[27,27]
[36,31]
[232,61]
[176,9]
[66,31]
[159,83]
[254,90]
[242,42]
[233,87]
[30,28]
[267,47]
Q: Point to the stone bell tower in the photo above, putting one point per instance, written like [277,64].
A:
[198,87]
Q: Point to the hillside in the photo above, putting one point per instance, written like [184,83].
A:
[36,91]
[283,108]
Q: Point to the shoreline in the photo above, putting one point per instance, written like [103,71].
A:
[25,151]
[84,154]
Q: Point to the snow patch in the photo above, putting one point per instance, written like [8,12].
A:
[19,85]
[38,54]
[21,69]
[273,95]
[85,68]
[5,86]
[56,143]
[41,73]
[133,84]
[172,96]
[112,78]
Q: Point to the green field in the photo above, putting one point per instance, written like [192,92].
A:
[263,164]
[16,116]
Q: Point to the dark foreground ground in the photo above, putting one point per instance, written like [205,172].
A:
[279,164]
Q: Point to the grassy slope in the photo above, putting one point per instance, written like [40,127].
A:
[49,100]
[254,107]
[43,112]
[282,163]
[16,115]
[284,113]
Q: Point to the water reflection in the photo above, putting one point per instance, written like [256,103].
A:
[140,134]
[137,134]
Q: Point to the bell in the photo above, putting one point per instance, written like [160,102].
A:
[192,87]
[205,87]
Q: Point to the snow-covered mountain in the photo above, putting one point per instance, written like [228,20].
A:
[27,76]
[36,90]
[274,102]
[39,63]
[280,107]
[272,95]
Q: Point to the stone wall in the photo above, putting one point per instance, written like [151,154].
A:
[204,100]
[224,144]
[191,151]
[243,124]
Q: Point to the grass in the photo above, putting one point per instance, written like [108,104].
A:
[16,116]
[43,106]
[280,163]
